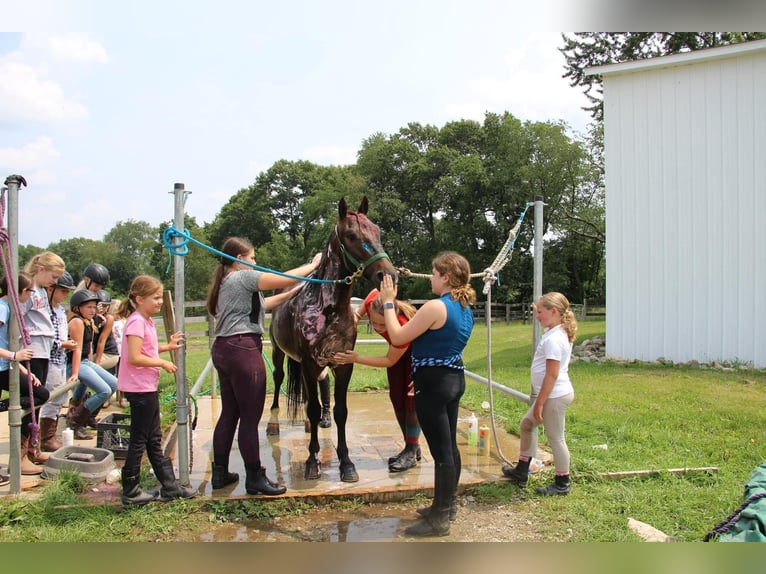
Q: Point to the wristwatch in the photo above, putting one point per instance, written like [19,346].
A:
[388,306]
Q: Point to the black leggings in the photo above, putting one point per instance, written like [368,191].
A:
[40,395]
[145,433]
[437,400]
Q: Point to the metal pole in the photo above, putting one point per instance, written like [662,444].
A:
[13,183]
[538,268]
[182,407]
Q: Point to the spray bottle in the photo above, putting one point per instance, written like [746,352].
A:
[473,430]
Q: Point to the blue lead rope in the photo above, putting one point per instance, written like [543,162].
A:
[182,248]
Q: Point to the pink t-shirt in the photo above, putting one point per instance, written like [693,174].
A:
[132,379]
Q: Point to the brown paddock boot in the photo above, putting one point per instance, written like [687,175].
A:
[78,422]
[49,442]
[28,468]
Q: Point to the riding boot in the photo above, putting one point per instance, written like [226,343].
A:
[561,486]
[391,459]
[426,510]
[222,476]
[407,459]
[73,404]
[78,422]
[437,522]
[34,453]
[256,482]
[324,391]
[132,494]
[92,420]
[28,468]
[171,488]
[518,474]
[49,442]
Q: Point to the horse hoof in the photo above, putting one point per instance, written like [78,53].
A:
[312,470]
[348,473]
[272,429]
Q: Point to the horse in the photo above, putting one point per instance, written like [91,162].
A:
[316,322]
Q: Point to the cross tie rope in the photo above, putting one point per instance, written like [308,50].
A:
[13,296]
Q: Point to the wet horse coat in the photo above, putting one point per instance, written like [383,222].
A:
[317,322]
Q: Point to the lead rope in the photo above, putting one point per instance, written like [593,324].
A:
[490,277]
[13,295]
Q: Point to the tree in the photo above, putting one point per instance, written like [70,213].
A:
[588,49]
[133,244]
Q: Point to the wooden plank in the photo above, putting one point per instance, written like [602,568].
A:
[632,473]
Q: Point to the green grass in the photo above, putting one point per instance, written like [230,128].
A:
[650,416]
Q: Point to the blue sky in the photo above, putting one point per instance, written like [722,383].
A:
[102,122]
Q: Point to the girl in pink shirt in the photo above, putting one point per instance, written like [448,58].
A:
[138,379]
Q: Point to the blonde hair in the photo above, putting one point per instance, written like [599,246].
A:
[399,306]
[48,261]
[114,306]
[142,286]
[459,271]
[556,300]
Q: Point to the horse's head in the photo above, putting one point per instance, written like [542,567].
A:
[359,239]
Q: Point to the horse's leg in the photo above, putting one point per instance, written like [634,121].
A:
[278,360]
[313,411]
[324,394]
[342,377]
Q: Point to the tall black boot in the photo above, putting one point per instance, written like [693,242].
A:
[518,474]
[222,476]
[324,393]
[132,494]
[256,482]
[561,486]
[171,489]
[426,510]
[437,522]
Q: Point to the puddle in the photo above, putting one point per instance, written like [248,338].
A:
[319,527]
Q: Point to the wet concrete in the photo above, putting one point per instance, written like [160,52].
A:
[373,436]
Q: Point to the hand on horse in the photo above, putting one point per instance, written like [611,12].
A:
[315,261]
[344,358]
[388,289]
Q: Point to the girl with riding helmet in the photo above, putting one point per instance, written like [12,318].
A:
[49,412]
[102,383]
[94,277]
[105,350]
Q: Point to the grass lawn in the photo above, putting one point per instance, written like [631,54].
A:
[650,416]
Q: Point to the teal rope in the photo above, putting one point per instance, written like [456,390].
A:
[182,248]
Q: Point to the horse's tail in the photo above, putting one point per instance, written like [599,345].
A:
[295,389]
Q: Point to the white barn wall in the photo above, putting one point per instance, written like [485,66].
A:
[685,193]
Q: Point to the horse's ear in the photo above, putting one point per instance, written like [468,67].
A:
[342,208]
[363,206]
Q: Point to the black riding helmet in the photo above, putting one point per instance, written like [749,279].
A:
[97,273]
[82,296]
[104,297]
[65,281]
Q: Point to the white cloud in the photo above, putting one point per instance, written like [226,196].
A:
[25,96]
[77,47]
[330,155]
[36,161]
[529,86]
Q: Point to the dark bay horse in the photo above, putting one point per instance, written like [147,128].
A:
[316,322]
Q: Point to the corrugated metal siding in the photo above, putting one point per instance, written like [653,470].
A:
[686,192]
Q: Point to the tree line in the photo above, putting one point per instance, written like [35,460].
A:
[461,186]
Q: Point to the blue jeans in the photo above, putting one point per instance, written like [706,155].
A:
[97,379]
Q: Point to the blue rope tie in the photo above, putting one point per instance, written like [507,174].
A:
[182,249]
